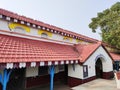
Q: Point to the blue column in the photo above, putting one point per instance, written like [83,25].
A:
[5,78]
[52,71]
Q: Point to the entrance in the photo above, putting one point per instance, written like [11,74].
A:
[66,74]
[63,75]
[16,81]
[99,68]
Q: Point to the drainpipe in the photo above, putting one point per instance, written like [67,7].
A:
[52,71]
[5,78]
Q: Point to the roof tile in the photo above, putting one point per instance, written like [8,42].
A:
[16,49]
[115,56]
[86,51]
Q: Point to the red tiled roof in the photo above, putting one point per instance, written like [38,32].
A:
[29,20]
[16,49]
[115,56]
[85,51]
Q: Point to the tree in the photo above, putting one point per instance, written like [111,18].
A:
[109,23]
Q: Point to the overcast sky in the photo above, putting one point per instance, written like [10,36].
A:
[73,15]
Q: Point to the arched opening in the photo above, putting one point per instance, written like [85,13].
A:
[99,68]
[19,30]
[44,35]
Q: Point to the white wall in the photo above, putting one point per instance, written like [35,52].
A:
[31,71]
[57,37]
[106,62]
[4,25]
[78,73]
[34,32]
[107,65]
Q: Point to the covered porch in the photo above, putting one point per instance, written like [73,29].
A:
[19,55]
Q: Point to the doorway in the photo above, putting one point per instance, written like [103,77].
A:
[99,68]
[17,79]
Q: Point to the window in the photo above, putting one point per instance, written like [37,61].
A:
[19,30]
[67,39]
[44,35]
[85,71]
[43,70]
[79,41]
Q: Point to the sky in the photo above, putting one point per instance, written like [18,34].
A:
[72,15]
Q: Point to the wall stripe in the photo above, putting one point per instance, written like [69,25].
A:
[76,61]
[1,16]
[15,20]
[33,64]
[9,65]
[22,22]
[56,62]
[22,65]
[62,62]
[8,18]
[42,63]
[49,63]
[71,62]
[67,62]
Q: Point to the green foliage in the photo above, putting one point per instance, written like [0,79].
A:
[109,23]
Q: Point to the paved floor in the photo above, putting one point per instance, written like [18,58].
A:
[98,84]
[57,86]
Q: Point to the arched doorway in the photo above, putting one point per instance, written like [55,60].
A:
[99,68]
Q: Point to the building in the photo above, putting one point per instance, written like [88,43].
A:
[36,53]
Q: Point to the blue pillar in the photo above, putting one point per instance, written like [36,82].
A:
[52,71]
[5,78]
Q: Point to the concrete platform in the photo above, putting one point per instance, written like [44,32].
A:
[98,84]
[57,86]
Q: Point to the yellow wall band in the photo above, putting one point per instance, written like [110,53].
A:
[15,25]
[67,38]
[79,41]
[46,32]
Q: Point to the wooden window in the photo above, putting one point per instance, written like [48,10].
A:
[85,71]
